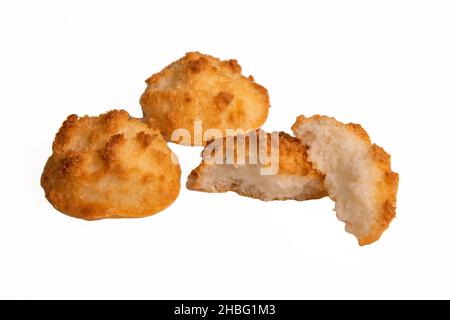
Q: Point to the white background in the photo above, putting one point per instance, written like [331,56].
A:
[384,64]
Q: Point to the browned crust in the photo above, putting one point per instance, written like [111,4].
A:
[294,157]
[223,99]
[386,193]
[109,154]
[293,161]
[203,81]
[193,178]
[197,65]
[89,149]
[145,139]
[387,187]
[65,133]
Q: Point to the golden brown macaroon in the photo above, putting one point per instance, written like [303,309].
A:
[259,165]
[110,166]
[202,88]
[358,175]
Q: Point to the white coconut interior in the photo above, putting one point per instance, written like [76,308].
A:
[247,180]
[350,174]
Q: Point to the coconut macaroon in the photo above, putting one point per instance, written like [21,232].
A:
[358,175]
[200,92]
[258,165]
[110,166]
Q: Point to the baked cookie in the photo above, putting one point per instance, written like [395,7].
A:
[110,166]
[358,175]
[199,92]
[258,165]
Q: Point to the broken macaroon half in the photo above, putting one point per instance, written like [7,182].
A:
[358,175]
[260,165]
